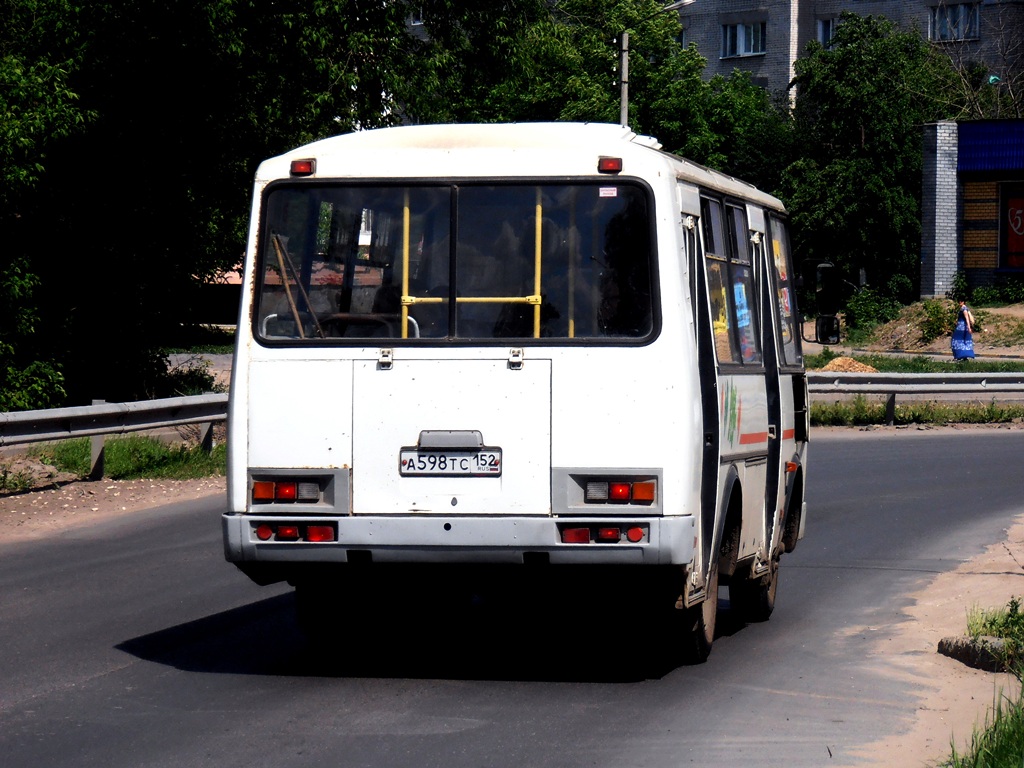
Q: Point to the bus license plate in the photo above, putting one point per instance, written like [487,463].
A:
[482,463]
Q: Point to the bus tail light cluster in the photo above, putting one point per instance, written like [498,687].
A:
[603,534]
[620,492]
[296,532]
[285,490]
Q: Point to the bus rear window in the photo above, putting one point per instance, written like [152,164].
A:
[508,261]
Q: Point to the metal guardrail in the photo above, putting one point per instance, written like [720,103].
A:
[109,418]
[100,419]
[825,382]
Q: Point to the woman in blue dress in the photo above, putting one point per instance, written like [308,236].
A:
[963,340]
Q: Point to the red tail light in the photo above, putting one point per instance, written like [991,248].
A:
[576,536]
[319,533]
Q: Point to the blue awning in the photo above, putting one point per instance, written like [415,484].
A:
[991,145]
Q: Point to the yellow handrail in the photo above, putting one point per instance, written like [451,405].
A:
[405,264]
[536,265]
[534,299]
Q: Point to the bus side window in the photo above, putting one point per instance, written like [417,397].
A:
[743,288]
[716,259]
[779,242]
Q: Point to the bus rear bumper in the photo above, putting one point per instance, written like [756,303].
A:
[498,540]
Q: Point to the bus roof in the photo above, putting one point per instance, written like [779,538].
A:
[561,149]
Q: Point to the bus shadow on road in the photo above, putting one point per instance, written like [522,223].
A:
[458,642]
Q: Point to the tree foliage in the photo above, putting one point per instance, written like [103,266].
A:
[855,186]
[129,134]
[39,50]
[118,223]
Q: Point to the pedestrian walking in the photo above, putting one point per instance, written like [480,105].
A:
[962,342]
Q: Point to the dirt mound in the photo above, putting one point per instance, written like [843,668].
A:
[848,365]
[1000,330]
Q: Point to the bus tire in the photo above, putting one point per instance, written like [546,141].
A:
[794,511]
[699,624]
[753,600]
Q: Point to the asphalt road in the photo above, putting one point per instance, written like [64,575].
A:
[132,643]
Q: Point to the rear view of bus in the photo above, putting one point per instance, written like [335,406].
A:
[470,351]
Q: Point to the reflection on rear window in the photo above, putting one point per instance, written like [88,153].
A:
[552,261]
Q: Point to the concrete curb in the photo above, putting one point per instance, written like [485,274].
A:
[985,652]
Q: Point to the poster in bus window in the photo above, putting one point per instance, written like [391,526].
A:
[780,261]
[744,322]
[786,315]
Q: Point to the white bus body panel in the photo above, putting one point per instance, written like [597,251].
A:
[570,408]
[511,409]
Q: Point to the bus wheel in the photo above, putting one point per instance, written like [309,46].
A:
[754,599]
[699,626]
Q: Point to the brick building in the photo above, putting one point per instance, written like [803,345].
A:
[972,206]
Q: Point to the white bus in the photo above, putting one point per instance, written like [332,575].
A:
[544,349]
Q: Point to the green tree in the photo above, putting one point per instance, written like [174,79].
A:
[854,191]
[130,214]
[39,50]
[560,61]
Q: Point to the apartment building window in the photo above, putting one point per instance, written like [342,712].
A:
[956,21]
[827,30]
[743,39]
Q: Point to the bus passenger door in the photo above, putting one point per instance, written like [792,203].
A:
[708,371]
[769,346]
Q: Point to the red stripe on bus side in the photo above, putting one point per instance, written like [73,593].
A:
[753,437]
[788,434]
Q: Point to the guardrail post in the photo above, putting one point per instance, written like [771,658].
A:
[206,437]
[96,468]
[890,409]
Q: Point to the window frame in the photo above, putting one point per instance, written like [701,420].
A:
[454,186]
[739,39]
[943,28]
[737,270]
[826,30]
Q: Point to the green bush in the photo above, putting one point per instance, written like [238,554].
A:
[1011,289]
[939,319]
[986,296]
[960,290]
[868,307]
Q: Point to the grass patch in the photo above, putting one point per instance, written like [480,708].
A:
[201,340]
[14,481]
[1000,744]
[136,457]
[860,411]
[1008,625]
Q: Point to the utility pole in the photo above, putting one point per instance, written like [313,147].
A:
[624,60]
[624,80]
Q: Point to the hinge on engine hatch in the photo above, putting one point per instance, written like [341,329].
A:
[386,359]
[515,359]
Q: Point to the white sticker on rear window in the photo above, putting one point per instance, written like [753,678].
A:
[608,192]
